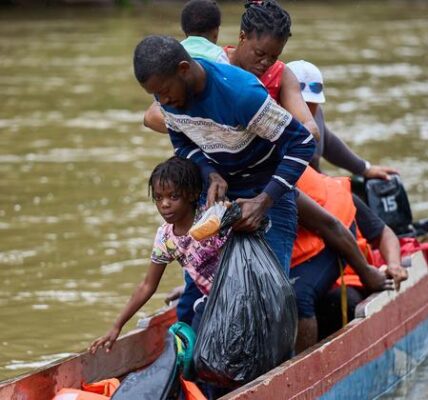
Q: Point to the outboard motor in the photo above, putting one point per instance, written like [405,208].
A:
[388,199]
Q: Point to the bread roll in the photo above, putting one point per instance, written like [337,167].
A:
[206,229]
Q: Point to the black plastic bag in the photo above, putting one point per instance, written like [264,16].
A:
[250,321]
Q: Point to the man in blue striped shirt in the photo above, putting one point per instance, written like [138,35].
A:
[222,118]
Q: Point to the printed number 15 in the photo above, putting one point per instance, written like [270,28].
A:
[389,203]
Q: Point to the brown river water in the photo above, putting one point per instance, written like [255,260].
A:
[76,225]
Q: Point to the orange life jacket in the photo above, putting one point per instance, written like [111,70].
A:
[105,387]
[101,390]
[334,195]
[408,246]
[191,390]
[76,394]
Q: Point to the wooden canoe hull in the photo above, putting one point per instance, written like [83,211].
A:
[132,351]
[362,360]
[367,357]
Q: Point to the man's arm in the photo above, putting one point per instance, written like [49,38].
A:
[154,119]
[338,153]
[382,236]
[292,100]
[186,148]
[389,247]
[314,218]
[296,146]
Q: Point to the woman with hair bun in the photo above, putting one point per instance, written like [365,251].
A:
[265,29]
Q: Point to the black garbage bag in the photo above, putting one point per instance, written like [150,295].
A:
[249,324]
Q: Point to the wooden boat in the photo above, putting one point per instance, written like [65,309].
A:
[387,340]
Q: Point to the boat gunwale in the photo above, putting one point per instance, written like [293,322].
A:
[130,352]
[358,338]
[277,382]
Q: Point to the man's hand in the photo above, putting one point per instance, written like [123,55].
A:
[105,341]
[375,280]
[377,171]
[253,211]
[217,190]
[397,273]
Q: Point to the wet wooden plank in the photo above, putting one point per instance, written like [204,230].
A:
[377,301]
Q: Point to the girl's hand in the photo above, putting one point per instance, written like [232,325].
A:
[105,341]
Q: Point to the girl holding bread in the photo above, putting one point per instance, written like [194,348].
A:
[175,186]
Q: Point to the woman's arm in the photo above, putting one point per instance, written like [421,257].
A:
[153,119]
[338,153]
[292,101]
[141,296]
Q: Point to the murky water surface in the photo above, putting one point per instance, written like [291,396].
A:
[76,225]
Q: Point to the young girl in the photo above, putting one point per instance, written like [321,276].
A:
[174,186]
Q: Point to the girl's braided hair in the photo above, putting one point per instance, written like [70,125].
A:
[182,173]
[266,18]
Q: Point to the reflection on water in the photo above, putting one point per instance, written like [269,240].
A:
[414,387]
[76,226]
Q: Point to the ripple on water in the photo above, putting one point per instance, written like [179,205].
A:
[120,266]
[108,119]
[345,72]
[73,142]
[15,257]
[44,360]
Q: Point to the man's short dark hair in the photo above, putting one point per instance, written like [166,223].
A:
[158,55]
[200,16]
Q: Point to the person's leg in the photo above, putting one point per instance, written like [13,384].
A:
[329,309]
[329,314]
[199,308]
[355,296]
[282,233]
[311,280]
[191,293]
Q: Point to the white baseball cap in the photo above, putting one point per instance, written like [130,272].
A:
[310,79]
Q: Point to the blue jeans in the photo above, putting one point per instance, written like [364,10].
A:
[185,312]
[282,233]
[283,218]
[312,279]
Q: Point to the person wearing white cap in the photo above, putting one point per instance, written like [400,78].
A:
[331,147]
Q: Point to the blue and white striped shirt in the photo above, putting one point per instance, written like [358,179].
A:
[236,129]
